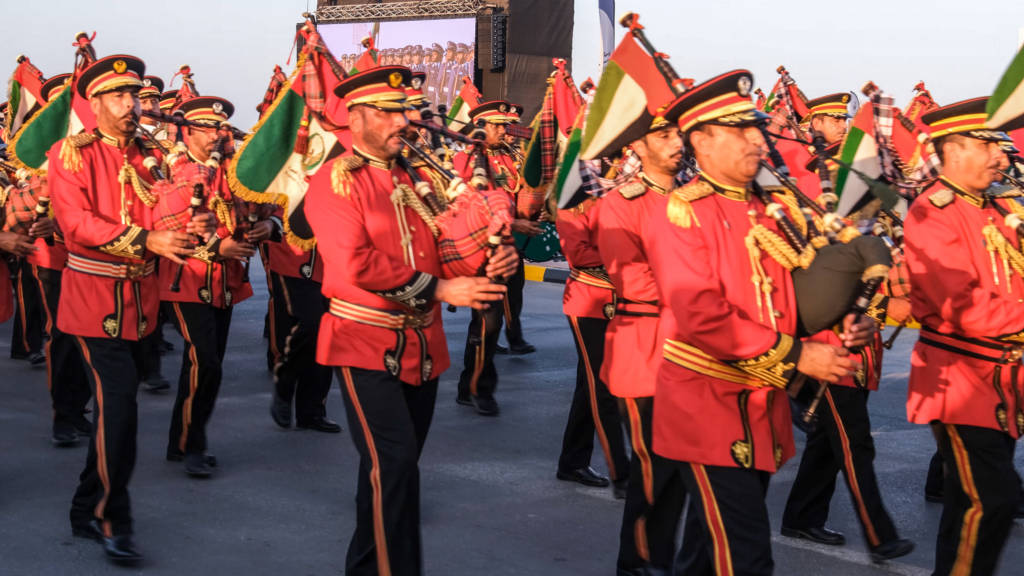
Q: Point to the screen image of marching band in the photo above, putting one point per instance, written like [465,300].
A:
[444,49]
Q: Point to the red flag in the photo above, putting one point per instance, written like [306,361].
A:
[566,99]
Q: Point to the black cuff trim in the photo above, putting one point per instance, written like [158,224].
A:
[417,293]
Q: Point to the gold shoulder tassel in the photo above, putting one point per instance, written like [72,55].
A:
[341,174]
[70,154]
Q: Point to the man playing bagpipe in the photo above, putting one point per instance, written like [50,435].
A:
[384,277]
[479,378]
[199,295]
[841,439]
[104,191]
[965,266]
[729,324]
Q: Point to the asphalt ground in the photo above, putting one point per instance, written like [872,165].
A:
[282,501]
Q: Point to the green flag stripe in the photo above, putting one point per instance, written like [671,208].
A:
[266,151]
[849,152]
[30,145]
[1010,92]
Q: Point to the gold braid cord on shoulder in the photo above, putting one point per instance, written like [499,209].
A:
[761,238]
[1011,258]
[410,199]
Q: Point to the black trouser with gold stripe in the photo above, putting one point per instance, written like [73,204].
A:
[592,403]
[205,332]
[297,374]
[729,511]
[655,498]
[513,304]
[65,373]
[277,320]
[980,499]
[103,485]
[27,332]
[840,442]
[479,377]
[389,421]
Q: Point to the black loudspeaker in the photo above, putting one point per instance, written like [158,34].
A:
[499,27]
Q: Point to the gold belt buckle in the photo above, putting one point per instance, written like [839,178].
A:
[415,320]
[1015,353]
[134,271]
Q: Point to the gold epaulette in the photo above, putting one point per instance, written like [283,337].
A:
[70,154]
[680,212]
[941,198]
[166,144]
[632,190]
[341,174]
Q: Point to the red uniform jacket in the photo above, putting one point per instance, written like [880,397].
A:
[958,289]
[104,220]
[632,350]
[719,398]
[208,279]
[588,288]
[53,257]
[370,274]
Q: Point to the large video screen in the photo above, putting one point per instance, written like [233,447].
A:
[444,49]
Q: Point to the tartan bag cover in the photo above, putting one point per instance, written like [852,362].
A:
[465,227]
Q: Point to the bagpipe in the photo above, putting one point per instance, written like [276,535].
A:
[27,202]
[468,222]
[837,271]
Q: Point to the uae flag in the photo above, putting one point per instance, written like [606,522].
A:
[567,187]
[468,98]
[24,92]
[858,159]
[288,145]
[65,115]
[1007,102]
[627,99]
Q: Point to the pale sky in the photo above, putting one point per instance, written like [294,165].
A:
[959,48]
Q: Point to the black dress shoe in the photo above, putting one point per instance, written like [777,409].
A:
[586,476]
[121,550]
[485,405]
[156,385]
[933,496]
[820,535]
[320,424]
[520,348]
[892,549]
[197,465]
[89,530]
[499,349]
[36,359]
[64,435]
[177,456]
[463,400]
[281,412]
[619,488]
